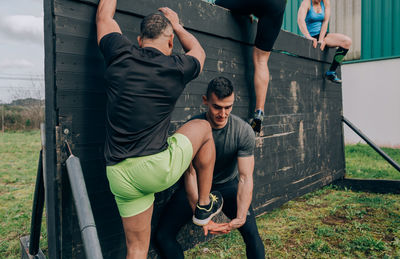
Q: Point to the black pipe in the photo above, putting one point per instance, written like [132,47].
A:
[377,149]
[84,211]
[37,210]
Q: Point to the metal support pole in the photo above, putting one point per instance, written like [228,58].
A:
[2,119]
[82,204]
[377,149]
[37,210]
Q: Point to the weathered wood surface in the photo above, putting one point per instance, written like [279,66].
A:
[299,150]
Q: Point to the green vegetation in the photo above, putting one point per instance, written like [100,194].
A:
[22,114]
[19,158]
[328,223]
[363,162]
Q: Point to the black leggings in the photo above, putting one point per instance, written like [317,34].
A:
[178,213]
[270,17]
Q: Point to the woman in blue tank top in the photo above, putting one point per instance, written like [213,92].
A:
[313,18]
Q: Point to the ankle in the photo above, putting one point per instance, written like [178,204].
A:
[259,111]
[204,202]
[259,114]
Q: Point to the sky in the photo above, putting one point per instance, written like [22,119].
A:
[21,49]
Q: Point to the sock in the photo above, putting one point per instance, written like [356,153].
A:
[205,206]
[259,114]
[338,58]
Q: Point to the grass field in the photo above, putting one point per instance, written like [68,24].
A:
[363,162]
[19,157]
[328,223]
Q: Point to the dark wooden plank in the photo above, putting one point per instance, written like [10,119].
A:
[201,16]
[51,180]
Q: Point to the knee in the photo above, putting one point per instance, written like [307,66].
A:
[250,233]
[136,252]
[260,57]
[204,126]
[162,238]
[347,43]
[252,238]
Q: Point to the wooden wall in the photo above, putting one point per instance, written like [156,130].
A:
[299,150]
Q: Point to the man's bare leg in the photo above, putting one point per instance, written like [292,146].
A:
[200,135]
[261,80]
[137,232]
[138,228]
[261,76]
[191,186]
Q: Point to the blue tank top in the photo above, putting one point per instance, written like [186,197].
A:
[314,20]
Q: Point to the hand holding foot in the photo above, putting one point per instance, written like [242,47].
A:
[236,223]
[216,228]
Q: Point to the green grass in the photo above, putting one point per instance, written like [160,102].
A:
[364,162]
[19,158]
[327,223]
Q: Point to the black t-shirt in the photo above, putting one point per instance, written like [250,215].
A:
[235,140]
[143,87]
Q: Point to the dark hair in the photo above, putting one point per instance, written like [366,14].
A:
[221,87]
[153,25]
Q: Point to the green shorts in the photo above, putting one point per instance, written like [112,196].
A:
[135,180]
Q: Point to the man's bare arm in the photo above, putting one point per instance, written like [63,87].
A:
[245,190]
[189,43]
[105,19]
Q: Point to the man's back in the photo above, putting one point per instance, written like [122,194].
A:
[143,87]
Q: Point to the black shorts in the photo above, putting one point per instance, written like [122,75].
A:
[317,36]
[270,17]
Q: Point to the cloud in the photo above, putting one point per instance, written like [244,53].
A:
[7,64]
[22,27]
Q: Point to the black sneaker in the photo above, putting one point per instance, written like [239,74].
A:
[256,122]
[203,214]
[332,76]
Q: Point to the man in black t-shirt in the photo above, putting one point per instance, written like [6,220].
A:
[233,178]
[144,84]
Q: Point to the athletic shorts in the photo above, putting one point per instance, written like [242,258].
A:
[135,180]
[270,17]
[317,36]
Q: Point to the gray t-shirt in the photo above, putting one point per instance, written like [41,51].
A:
[235,140]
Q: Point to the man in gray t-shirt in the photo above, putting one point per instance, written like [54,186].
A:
[233,140]
[233,178]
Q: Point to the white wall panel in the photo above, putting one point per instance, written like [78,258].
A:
[346,19]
